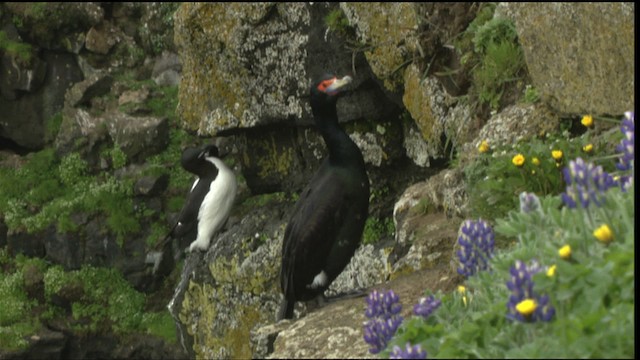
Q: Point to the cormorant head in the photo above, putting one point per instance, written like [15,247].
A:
[325,91]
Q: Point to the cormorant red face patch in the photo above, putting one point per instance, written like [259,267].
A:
[324,85]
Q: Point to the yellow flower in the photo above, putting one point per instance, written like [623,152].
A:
[587,148]
[551,271]
[604,234]
[462,290]
[535,161]
[518,160]
[565,252]
[556,154]
[526,307]
[587,120]
[483,147]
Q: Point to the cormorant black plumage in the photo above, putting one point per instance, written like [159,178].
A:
[327,222]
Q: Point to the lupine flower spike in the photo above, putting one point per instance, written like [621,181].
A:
[524,304]
[586,184]
[409,352]
[476,239]
[383,311]
[529,202]
[426,306]
[627,148]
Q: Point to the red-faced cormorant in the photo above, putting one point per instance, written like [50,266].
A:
[327,222]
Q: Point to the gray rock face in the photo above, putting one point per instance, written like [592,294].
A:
[567,54]
[138,137]
[259,69]
[23,119]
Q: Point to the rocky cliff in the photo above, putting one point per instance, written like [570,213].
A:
[431,81]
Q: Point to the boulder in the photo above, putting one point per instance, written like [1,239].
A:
[441,120]
[334,331]
[138,137]
[580,56]
[257,71]
[390,31]
[24,120]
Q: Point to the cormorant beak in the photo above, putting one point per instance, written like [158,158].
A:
[338,84]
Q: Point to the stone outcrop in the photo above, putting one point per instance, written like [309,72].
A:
[257,71]
[244,72]
[579,56]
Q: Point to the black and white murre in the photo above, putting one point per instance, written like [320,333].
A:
[327,222]
[210,199]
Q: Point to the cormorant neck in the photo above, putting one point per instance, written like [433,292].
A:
[341,148]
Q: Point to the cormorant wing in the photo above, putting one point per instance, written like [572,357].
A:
[309,236]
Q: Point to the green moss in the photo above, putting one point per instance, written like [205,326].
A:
[276,160]
[376,229]
[336,21]
[160,324]
[18,50]
[489,47]
[259,201]
[52,126]
[240,293]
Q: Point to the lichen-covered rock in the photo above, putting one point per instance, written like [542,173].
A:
[368,267]
[334,331]
[93,86]
[513,124]
[138,137]
[233,287]
[580,56]
[388,31]
[51,24]
[440,117]
[247,65]
[24,119]
[101,38]
[427,217]
[18,72]
[79,128]
[444,192]
[243,64]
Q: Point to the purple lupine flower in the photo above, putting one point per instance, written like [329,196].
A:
[426,306]
[586,184]
[521,287]
[529,202]
[383,311]
[409,352]
[627,144]
[476,239]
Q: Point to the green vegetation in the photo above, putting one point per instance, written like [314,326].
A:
[531,95]
[99,301]
[337,22]
[490,48]
[494,181]
[376,229]
[562,285]
[592,293]
[48,190]
[16,49]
